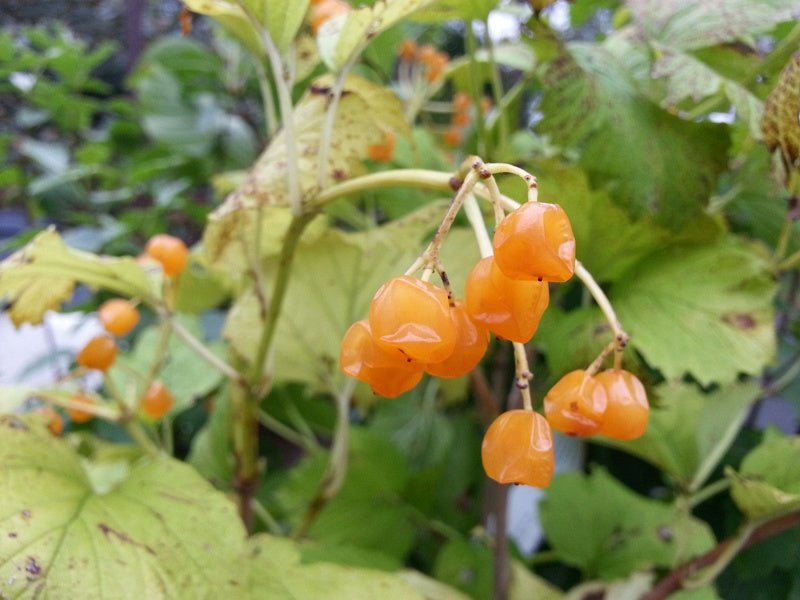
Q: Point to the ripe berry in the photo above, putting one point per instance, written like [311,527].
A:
[627,412]
[389,374]
[118,316]
[384,151]
[322,11]
[454,136]
[509,308]
[54,421]
[518,448]
[99,353]
[575,404]
[169,251]
[157,400]
[413,317]
[77,415]
[408,50]
[536,242]
[461,102]
[471,344]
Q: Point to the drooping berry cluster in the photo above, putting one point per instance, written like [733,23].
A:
[416,327]
[462,117]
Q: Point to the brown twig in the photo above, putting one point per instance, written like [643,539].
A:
[674,580]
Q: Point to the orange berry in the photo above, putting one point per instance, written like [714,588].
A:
[54,421]
[389,374]
[575,405]
[413,317]
[536,242]
[171,252]
[426,54]
[435,67]
[461,119]
[461,102]
[77,415]
[157,400]
[322,12]
[408,50]
[627,412]
[99,353]
[518,448]
[509,308]
[471,344]
[118,316]
[454,136]
[384,151]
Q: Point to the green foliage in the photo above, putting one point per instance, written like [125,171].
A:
[668,135]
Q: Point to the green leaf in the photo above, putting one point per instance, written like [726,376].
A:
[571,340]
[633,148]
[276,572]
[466,565]
[689,77]
[346,35]
[461,10]
[212,448]
[768,481]
[231,16]
[696,23]
[703,310]
[596,524]
[633,587]
[283,18]
[689,431]
[161,532]
[43,274]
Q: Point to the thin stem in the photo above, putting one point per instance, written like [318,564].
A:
[420,178]
[334,96]
[290,435]
[161,350]
[474,88]
[790,263]
[270,116]
[603,302]
[497,88]
[141,438]
[711,490]
[202,351]
[593,368]
[98,410]
[282,80]
[523,375]
[530,181]
[290,241]
[266,517]
[496,198]
[475,219]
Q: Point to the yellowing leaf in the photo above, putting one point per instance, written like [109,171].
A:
[231,17]
[43,274]
[348,34]
[364,111]
[162,532]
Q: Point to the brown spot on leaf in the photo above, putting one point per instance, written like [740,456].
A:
[32,568]
[109,532]
[665,533]
[12,534]
[740,320]
[26,514]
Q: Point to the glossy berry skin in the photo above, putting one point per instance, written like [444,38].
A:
[536,242]
[157,400]
[628,411]
[471,344]
[99,353]
[171,252]
[413,317]
[509,308]
[575,405]
[518,448]
[384,151]
[118,316]
[323,11]
[80,416]
[389,374]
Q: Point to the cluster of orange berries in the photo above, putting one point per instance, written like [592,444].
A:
[118,317]
[433,61]
[462,117]
[415,327]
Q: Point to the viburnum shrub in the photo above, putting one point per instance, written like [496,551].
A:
[397,291]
